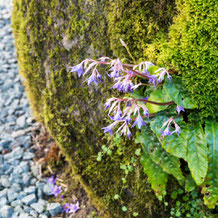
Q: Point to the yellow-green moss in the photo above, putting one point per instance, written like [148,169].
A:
[73,112]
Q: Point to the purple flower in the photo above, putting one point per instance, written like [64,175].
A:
[139,122]
[91,79]
[109,128]
[152,79]
[78,68]
[179,109]
[66,208]
[117,115]
[128,118]
[74,207]
[177,130]
[166,132]
[56,190]
[129,133]
[51,180]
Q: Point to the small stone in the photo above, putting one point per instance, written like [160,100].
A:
[3,193]
[15,215]
[39,207]
[35,170]
[5,143]
[6,211]
[18,133]
[54,208]
[29,199]
[28,156]
[5,181]
[26,179]
[16,203]
[30,190]
[21,121]
[47,189]
[18,209]
[43,216]
[33,181]
[12,195]
[23,167]
[16,187]
[3,202]
[24,215]
[34,213]
[21,195]
[27,209]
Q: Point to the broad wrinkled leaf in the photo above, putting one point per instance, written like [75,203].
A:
[176,90]
[159,96]
[197,153]
[158,155]
[211,189]
[174,144]
[156,176]
[190,184]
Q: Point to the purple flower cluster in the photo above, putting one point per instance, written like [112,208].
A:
[123,117]
[167,131]
[123,76]
[56,190]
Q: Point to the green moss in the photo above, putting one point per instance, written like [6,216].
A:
[192,49]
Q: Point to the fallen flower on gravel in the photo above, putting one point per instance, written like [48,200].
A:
[74,207]
[51,180]
[71,208]
[56,190]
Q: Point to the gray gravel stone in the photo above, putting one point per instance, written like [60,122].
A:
[39,206]
[19,209]
[30,190]
[47,189]
[15,215]
[29,199]
[6,211]
[16,203]
[16,187]
[34,214]
[3,201]
[26,178]
[21,121]
[24,215]
[28,156]
[3,193]
[12,195]
[54,208]
[5,181]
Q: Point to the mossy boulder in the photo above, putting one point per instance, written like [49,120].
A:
[51,36]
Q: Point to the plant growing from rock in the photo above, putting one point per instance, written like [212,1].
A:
[159,105]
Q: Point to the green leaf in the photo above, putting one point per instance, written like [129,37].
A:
[156,176]
[190,184]
[124,209]
[211,185]
[158,155]
[116,196]
[197,153]
[174,144]
[152,70]
[176,90]
[159,96]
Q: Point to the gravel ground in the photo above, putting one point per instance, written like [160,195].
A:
[22,191]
